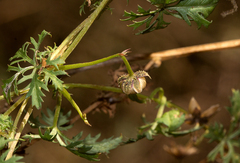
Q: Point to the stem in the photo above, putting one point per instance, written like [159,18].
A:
[67,41]
[14,106]
[58,108]
[160,112]
[92,86]
[23,91]
[129,69]
[79,65]
[79,32]
[74,104]
[20,111]
[17,136]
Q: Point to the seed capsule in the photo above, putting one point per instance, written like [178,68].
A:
[133,84]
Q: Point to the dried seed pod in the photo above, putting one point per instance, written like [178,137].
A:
[133,84]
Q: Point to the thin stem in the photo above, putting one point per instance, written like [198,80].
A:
[129,69]
[23,91]
[67,41]
[160,111]
[74,104]
[18,134]
[79,65]
[20,111]
[157,57]
[92,86]
[78,33]
[14,106]
[58,108]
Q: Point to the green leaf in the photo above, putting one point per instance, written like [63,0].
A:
[13,159]
[22,53]
[6,125]
[218,149]
[63,120]
[40,39]
[35,90]
[198,10]
[216,133]
[12,82]
[55,62]
[89,148]
[52,75]
[234,109]
[173,119]
[49,134]
[4,141]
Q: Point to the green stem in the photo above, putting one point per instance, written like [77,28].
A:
[129,69]
[14,106]
[92,86]
[78,65]
[75,37]
[18,134]
[20,111]
[23,91]
[160,112]
[172,105]
[58,108]
[74,104]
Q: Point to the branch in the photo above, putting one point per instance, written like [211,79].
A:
[156,57]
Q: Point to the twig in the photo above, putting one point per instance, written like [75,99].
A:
[157,57]
[231,11]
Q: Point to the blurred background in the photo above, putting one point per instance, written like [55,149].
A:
[208,76]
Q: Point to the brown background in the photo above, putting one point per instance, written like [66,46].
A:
[209,76]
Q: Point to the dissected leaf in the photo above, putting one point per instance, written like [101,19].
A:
[49,119]
[89,148]
[35,90]
[22,53]
[12,82]
[52,75]
[216,133]
[197,10]
[40,39]
[188,10]
[55,62]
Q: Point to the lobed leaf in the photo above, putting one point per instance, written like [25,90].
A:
[52,75]
[63,120]
[198,10]
[89,148]
[35,90]
[22,53]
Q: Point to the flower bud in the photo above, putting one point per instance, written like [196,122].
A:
[133,84]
